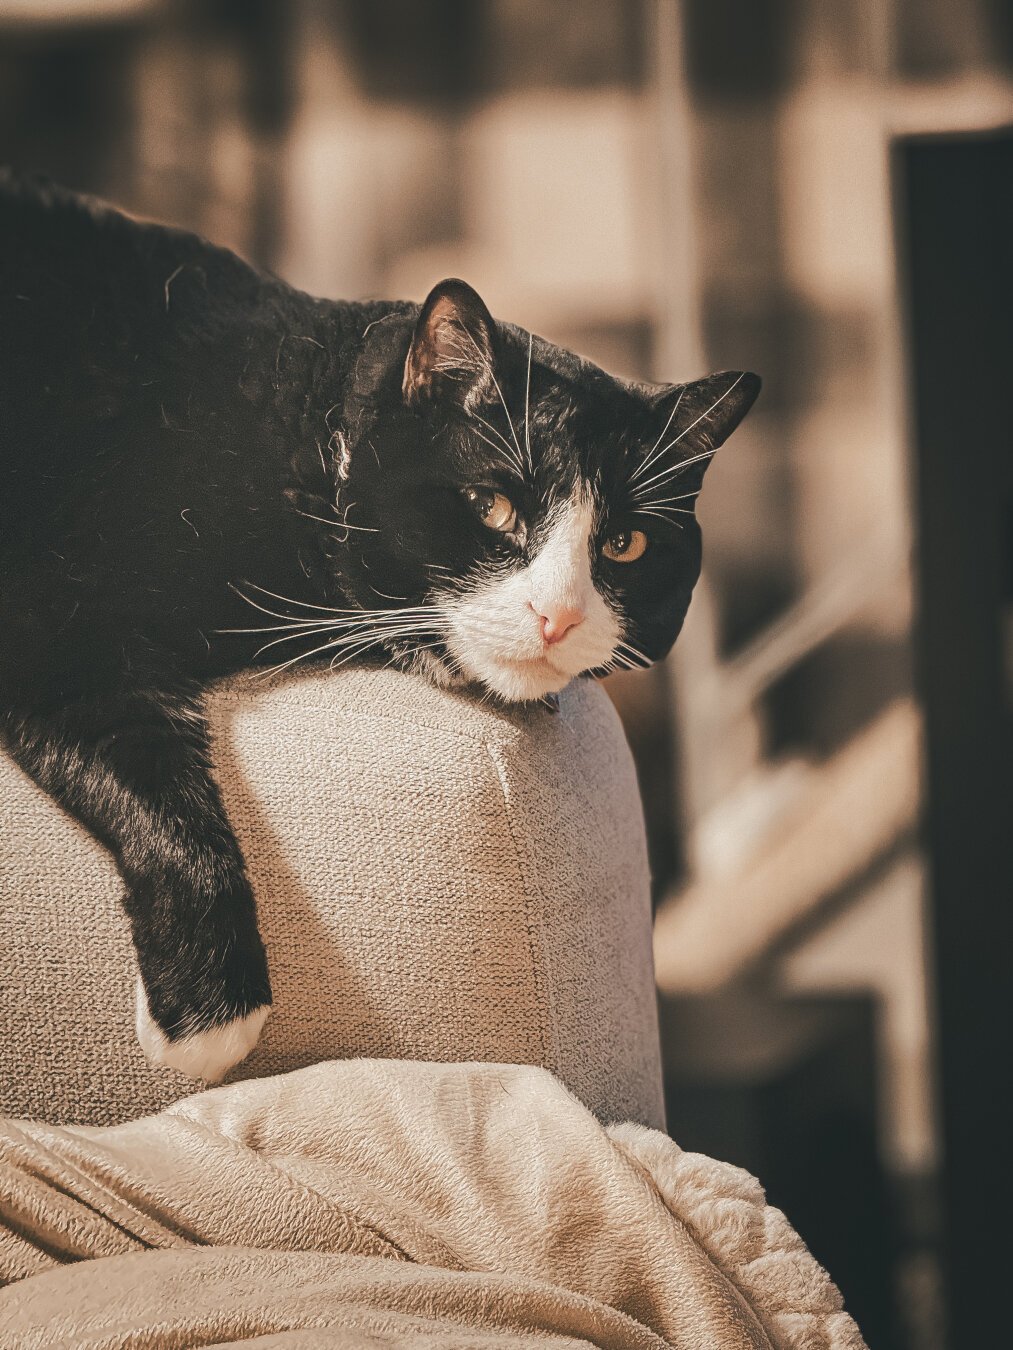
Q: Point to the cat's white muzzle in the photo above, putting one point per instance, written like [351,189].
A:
[495,630]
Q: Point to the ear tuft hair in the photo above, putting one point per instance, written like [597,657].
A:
[453,348]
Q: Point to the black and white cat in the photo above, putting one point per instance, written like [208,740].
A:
[185,442]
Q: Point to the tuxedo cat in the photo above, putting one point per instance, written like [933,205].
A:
[203,470]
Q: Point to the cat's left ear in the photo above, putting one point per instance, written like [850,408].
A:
[453,349]
[704,413]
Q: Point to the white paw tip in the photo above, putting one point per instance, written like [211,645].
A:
[207,1055]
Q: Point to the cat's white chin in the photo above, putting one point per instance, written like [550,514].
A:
[523,681]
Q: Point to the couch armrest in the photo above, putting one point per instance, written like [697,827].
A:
[436,879]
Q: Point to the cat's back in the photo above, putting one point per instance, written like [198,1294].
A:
[83,284]
[100,316]
[68,265]
[58,243]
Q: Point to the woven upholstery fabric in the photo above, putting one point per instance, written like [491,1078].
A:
[437,879]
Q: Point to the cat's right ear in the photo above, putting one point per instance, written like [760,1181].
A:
[453,348]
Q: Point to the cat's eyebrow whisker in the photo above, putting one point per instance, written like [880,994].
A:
[495,431]
[720,399]
[651,457]
[686,430]
[492,375]
[511,460]
[672,471]
[649,511]
[654,508]
[661,501]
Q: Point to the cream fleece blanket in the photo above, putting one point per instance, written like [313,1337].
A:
[382,1203]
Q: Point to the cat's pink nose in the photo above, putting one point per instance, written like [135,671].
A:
[558,622]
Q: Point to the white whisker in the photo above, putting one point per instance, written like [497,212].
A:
[510,459]
[658,508]
[664,432]
[492,375]
[627,649]
[672,471]
[527,407]
[285,600]
[299,625]
[306,604]
[304,656]
[376,632]
[649,511]
[686,430]
[338,524]
[264,610]
[663,501]
[352,643]
[656,454]
[495,431]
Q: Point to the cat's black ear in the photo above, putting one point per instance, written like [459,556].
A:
[710,409]
[700,416]
[453,349]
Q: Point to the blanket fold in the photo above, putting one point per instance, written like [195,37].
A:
[385,1202]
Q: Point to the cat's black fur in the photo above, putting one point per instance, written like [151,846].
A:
[171,422]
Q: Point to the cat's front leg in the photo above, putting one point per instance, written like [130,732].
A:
[135,771]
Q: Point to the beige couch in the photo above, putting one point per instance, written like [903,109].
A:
[438,879]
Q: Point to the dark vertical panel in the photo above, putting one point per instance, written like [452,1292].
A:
[786,1088]
[956,234]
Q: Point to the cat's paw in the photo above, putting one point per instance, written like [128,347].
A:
[207,1055]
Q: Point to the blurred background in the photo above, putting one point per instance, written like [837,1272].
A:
[819,192]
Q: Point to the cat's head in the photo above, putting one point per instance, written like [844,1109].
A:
[531,516]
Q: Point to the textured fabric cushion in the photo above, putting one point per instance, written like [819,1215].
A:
[437,879]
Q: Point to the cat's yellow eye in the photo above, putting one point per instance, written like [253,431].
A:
[493,508]
[625,546]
